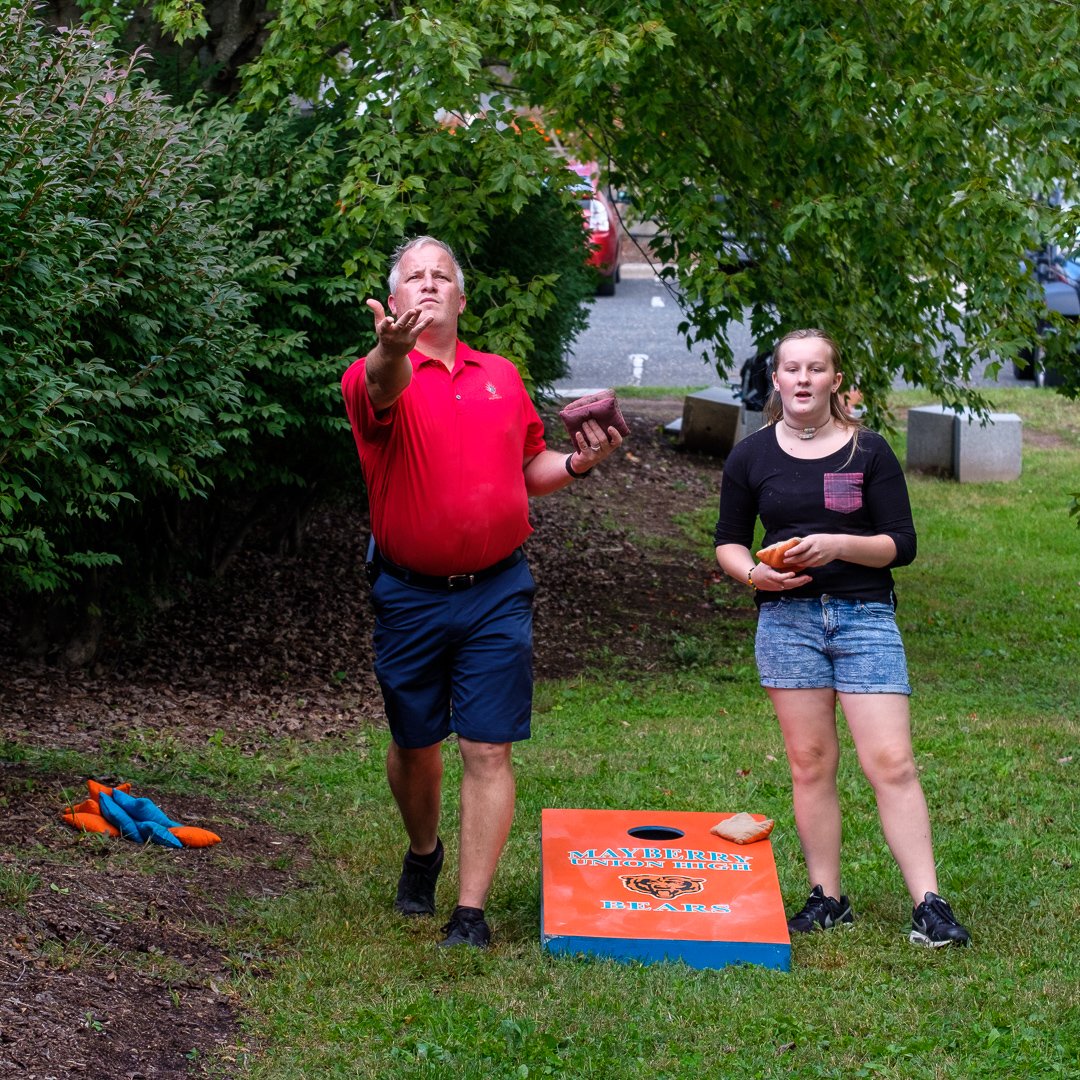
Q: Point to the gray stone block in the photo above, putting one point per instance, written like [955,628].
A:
[987,452]
[710,420]
[931,438]
[749,422]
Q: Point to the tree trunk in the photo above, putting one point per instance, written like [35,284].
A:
[238,31]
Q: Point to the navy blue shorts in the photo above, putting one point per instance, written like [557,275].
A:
[458,661]
[853,646]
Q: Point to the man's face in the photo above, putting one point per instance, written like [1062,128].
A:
[427,280]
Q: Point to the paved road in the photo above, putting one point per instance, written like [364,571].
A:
[632,340]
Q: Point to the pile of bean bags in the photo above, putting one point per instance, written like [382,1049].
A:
[116,812]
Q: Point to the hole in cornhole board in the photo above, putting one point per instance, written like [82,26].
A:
[655,832]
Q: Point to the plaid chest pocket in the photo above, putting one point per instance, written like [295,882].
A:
[843,492]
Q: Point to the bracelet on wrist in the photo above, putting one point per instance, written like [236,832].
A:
[750,577]
[571,471]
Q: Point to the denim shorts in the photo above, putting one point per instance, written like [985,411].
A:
[852,646]
[457,661]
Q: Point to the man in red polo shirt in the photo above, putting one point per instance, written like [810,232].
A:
[451,449]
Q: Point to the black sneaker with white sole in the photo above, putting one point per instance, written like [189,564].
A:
[416,886]
[466,927]
[820,912]
[934,925]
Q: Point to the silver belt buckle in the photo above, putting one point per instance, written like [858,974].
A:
[460,581]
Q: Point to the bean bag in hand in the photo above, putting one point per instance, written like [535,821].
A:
[773,555]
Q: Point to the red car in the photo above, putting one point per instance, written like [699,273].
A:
[602,225]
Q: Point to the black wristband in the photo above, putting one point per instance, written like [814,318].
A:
[570,468]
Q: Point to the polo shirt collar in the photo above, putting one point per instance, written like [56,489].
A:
[463,354]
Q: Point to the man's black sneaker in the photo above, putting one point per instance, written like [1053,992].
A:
[466,927]
[416,886]
[820,912]
[933,924]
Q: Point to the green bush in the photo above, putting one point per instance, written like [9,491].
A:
[275,190]
[542,251]
[120,324]
[489,193]
[183,289]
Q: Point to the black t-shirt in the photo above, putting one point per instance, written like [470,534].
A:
[860,494]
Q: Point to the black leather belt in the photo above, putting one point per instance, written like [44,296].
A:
[453,582]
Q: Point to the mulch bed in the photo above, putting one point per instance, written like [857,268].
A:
[110,966]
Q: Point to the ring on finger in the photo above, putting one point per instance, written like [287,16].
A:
[591,447]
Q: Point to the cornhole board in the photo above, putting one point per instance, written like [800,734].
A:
[653,886]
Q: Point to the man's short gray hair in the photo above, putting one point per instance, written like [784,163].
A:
[418,242]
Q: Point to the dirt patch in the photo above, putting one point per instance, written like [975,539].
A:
[282,648]
[109,961]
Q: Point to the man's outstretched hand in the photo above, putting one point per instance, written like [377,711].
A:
[398,336]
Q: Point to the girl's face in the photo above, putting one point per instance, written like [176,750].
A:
[805,377]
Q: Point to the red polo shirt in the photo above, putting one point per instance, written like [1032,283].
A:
[444,464]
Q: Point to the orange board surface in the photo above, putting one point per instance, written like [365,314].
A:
[643,885]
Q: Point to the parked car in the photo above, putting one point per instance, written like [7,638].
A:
[1059,275]
[602,225]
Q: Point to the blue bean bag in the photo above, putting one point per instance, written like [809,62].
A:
[142,809]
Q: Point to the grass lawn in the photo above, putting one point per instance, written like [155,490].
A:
[991,616]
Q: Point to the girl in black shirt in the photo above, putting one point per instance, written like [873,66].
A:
[826,625]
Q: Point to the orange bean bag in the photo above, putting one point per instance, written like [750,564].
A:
[773,555]
[87,816]
[89,822]
[99,789]
[190,836]
[743,828]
